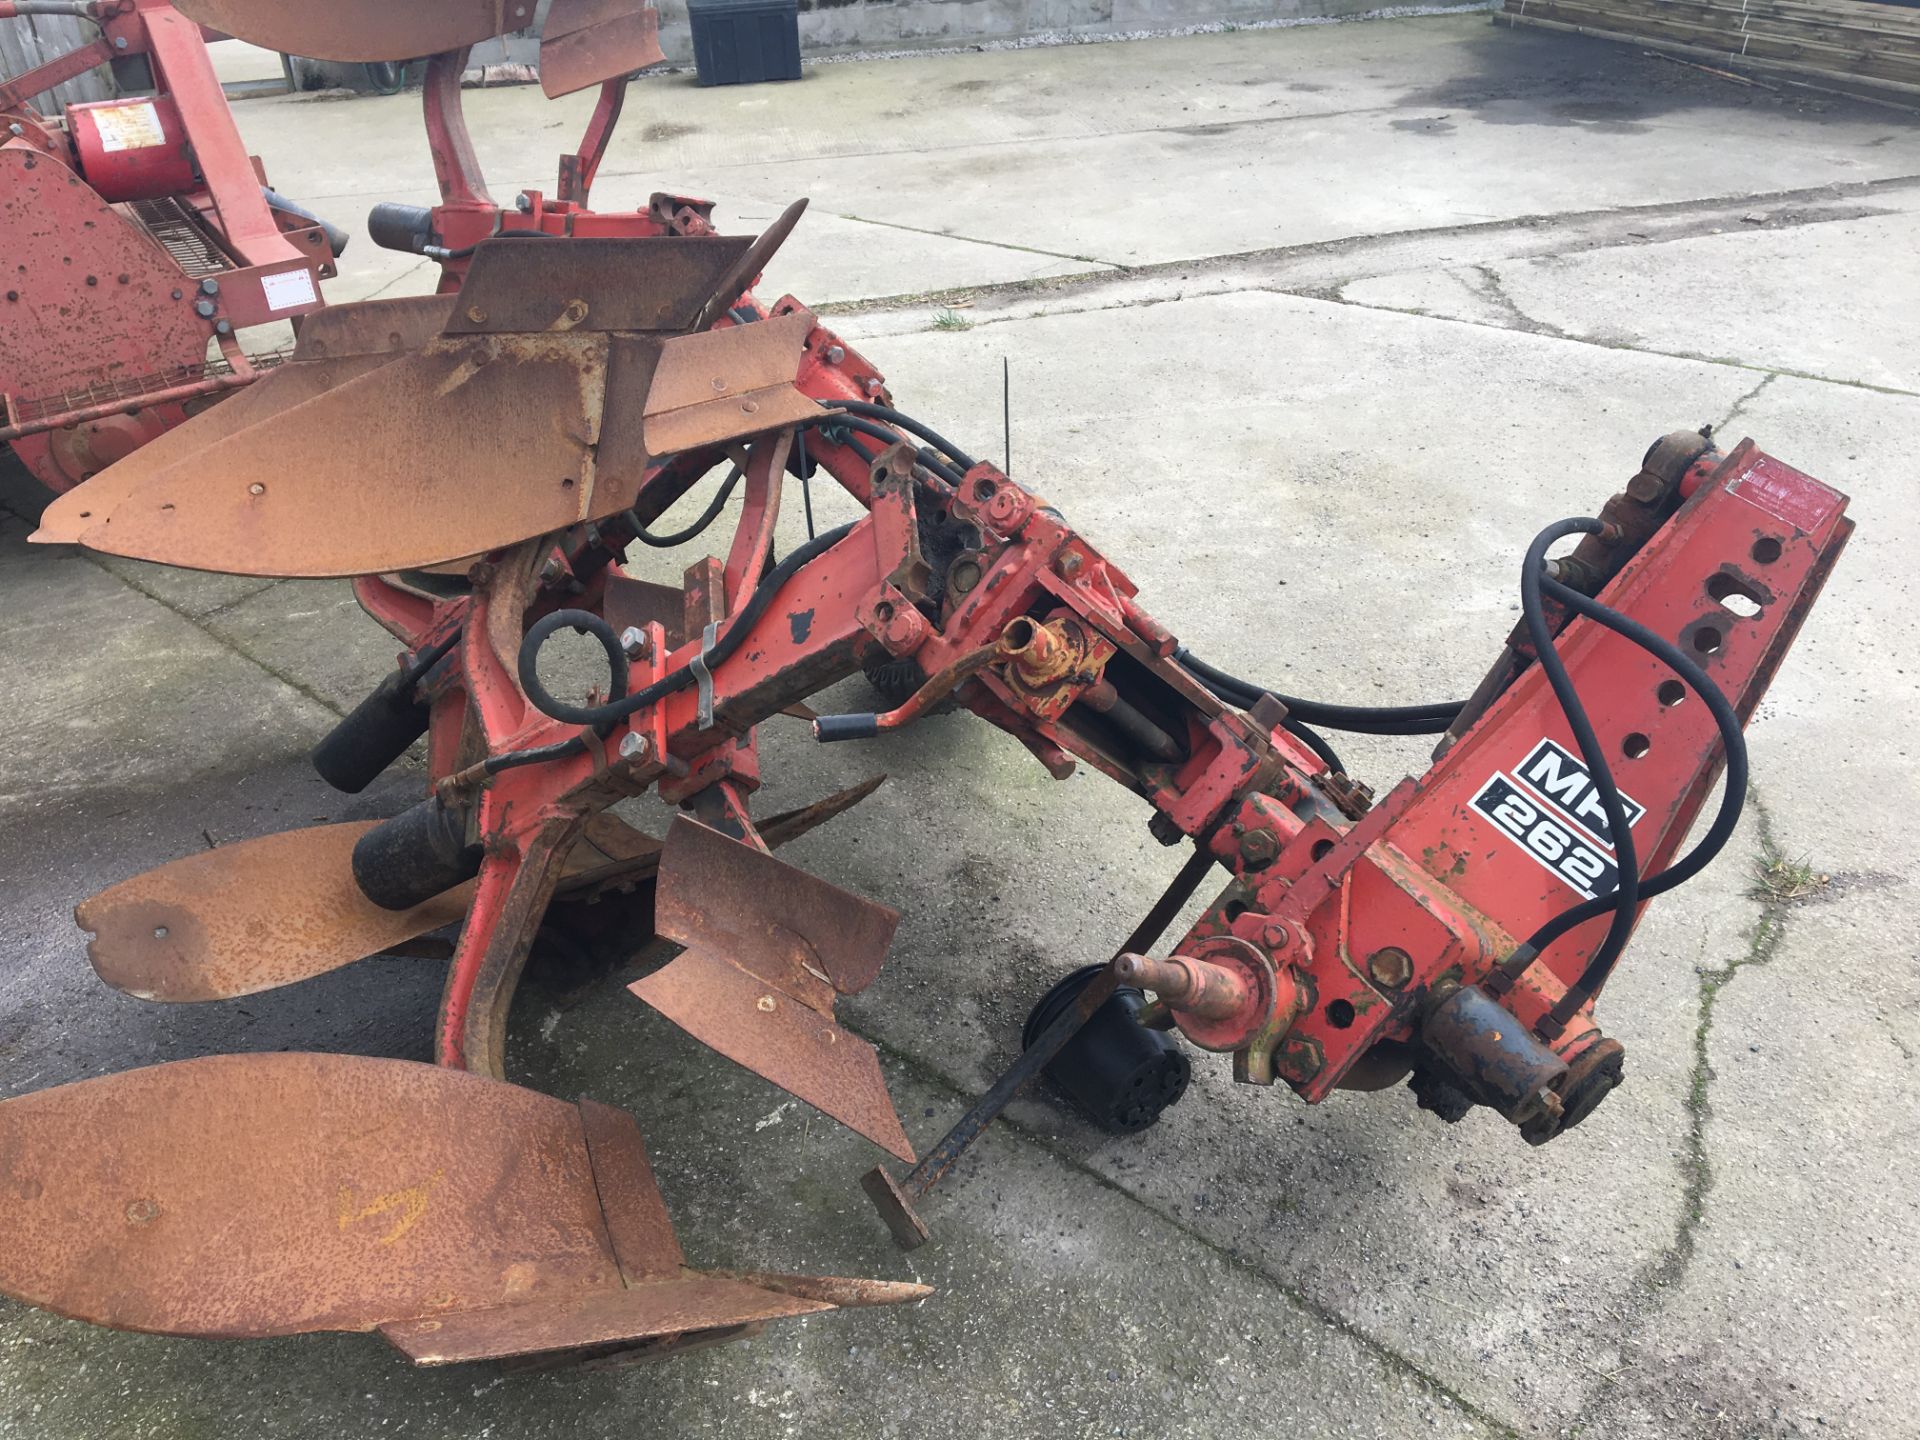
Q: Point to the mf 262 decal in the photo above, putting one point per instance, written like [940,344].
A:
[1551,809]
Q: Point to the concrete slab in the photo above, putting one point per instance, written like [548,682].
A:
[1305,135]
[1830,300]
[103,685]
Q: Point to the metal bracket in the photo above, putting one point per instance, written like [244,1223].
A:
[704,675]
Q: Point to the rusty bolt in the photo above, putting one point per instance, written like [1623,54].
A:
[633,746]
[476,316]
[550,572]
[1069,564]
[836,353]
[1259,847]
[1275,937]
[1391,967]
[1646,488]
[633,640]
[1004,508]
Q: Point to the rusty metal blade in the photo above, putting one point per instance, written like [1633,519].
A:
[361,29]
[791,824]
[246,1196]
[335,345]
[780,1039]
[585,42]
[652,284]
[86,506]
[688,1305]
[768,947]
[256,1195]
[790,929]
[637,1222]
[735,282]
[722,384]
[844,1291]
[248,917]
[291,495]
[372,327]
[279,909]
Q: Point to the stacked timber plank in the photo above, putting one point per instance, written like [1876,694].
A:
[31,39]
[1851,43]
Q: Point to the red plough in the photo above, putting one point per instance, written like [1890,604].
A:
[563,392]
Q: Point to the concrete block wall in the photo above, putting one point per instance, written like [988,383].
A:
[829,26]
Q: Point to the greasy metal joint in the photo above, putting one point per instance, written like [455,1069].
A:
[1497,1062]
[892,619]
[1224,994]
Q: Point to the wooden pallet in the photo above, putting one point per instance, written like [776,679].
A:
[1873,48]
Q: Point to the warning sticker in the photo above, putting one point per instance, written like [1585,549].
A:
[1786,494]
[288,289]
[129,127]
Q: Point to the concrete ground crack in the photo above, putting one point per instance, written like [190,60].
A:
[286,678]
[1670,1266]
[1745,400]
[1488,287]
[198,622]
[1325,265]
[991,244]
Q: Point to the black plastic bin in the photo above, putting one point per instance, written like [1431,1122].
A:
[739,42]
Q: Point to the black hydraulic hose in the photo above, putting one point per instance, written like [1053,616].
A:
[1732,800]
[539,754]
[1315,743]
[441,253]
[1246,699]
[1626,896]
[698,527]
[584,622]
[614,710]
[912,426]
[1360,719]
[830,419]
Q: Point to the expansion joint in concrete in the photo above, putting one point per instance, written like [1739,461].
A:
[1394,1360]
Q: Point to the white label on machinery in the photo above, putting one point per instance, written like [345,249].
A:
[288,289]
[129,127]
[1554,814]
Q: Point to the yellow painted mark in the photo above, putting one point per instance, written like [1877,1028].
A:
[411,1203]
